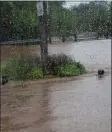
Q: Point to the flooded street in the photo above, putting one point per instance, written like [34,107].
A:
[93,54]
[81,104]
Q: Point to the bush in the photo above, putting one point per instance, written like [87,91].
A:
[68,70]
[35,74]
[30,67]
[33,61]
[8,67]
[80,67]
[54,61]
[64,65]
[19,68]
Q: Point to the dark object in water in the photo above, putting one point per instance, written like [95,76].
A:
[4,80]
[100,72]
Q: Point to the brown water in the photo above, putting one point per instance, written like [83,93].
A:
[93,54]
[82,104]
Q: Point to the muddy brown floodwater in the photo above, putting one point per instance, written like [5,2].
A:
[82,104]
[93,54]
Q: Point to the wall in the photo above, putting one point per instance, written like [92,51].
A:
[8,51]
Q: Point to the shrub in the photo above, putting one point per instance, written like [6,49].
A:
[80,67]
[54,61]
[19,68]
[33,61]
[26,65]
[35,74]
[30,67]
[68,70]
[9,67]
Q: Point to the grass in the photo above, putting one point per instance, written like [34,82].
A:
[30,67]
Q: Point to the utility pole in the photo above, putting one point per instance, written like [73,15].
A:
[49,22]
[42,16]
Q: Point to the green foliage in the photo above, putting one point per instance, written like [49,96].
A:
[30,67]
[53,61]
[68,70]
[35,74]
[63,65]
[94,16]
[8,67]
[62,22]
[19,68]
[19,19]
[71,69]
[80,67]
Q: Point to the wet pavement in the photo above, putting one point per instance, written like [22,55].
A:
[82,104]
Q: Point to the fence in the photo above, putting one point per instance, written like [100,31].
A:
[20,48]
[87,36]
[80,36]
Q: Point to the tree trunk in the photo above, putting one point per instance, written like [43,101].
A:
[44,35]
[50,41]
[49,23]
[75,37]
[63,38]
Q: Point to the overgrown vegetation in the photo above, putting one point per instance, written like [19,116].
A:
[21,68]
[30,67]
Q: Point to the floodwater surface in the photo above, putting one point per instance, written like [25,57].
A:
[93,54]
[80,105]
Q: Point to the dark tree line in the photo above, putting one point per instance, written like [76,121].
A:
[18,20]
